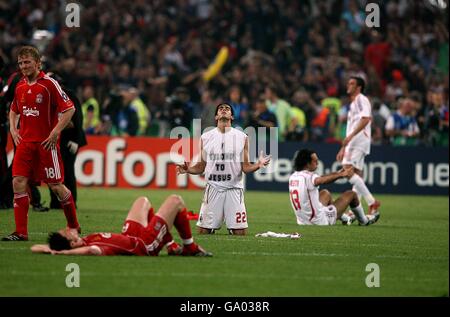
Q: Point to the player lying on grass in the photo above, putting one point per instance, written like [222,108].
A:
[143,233]
[314,208]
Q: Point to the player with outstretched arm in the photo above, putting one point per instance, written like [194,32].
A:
[224,157]
[312,207]
[143,233]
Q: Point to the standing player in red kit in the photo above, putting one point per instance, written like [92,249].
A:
[143,233]
[44,110]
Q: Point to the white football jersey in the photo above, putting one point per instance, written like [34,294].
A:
[224,157]
[304,195]
[360,107]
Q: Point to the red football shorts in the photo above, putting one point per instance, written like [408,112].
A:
[152,235]
[37,164]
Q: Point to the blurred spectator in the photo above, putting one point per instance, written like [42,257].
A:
[298,129]
[436,119]
[240,107]
[126,120]
[141,109]
[180,109]
[91,111]
[334,105]
[377,53]
[282,110]
[354,16]
[157,46]
[380,114]
[262,117]
[402,126]
[208,110]
[320,124]
[7,86]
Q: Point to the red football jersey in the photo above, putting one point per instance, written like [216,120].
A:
[38,105]
[116,244]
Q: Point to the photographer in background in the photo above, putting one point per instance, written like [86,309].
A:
[181,109]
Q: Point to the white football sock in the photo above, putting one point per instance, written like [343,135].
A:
[361,189]
[359,195]
[170,243]
[345,218]
[359,214]
[188,241]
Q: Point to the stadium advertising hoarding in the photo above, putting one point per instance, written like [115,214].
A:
[388,170]
[141,162]
[145,162]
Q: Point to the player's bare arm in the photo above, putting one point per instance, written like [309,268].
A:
[197,168]
[332,177]
[361,125]
[41,248]
[87,250]
[13,120]
[262,161]
[52,139]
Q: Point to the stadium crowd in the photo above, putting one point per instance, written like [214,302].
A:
[138,66]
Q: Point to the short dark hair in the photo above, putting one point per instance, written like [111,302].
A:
[221,104]
[359,82]
[58,242]
[302,158]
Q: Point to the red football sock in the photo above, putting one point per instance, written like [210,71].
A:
[151,213]
[167,238]
[21,205]
[182,224]
[70,212]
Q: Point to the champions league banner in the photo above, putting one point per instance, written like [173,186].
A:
[387,170]
[145,162]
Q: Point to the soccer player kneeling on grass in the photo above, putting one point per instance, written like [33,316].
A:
[224,158]
[314,208]
[143,233]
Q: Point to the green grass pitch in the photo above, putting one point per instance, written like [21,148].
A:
[409,244]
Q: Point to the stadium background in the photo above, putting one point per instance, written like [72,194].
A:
[157,54]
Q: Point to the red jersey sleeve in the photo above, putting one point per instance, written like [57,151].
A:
[62,101]
[14,105]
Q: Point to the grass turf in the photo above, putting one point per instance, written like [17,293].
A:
[409,243]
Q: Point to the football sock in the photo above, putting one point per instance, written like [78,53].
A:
[345,218]
[361,188]
[182,224]
[359,195]
[188,241]
[70,212]
[21,204]
[151,213]
[359,214]
[168,239]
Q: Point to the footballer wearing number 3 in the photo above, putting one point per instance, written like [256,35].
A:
[312,207]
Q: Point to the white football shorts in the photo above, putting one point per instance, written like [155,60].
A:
[220,207]
[354,157]
[325,216]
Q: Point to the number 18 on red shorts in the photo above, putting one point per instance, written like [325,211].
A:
[38,164]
